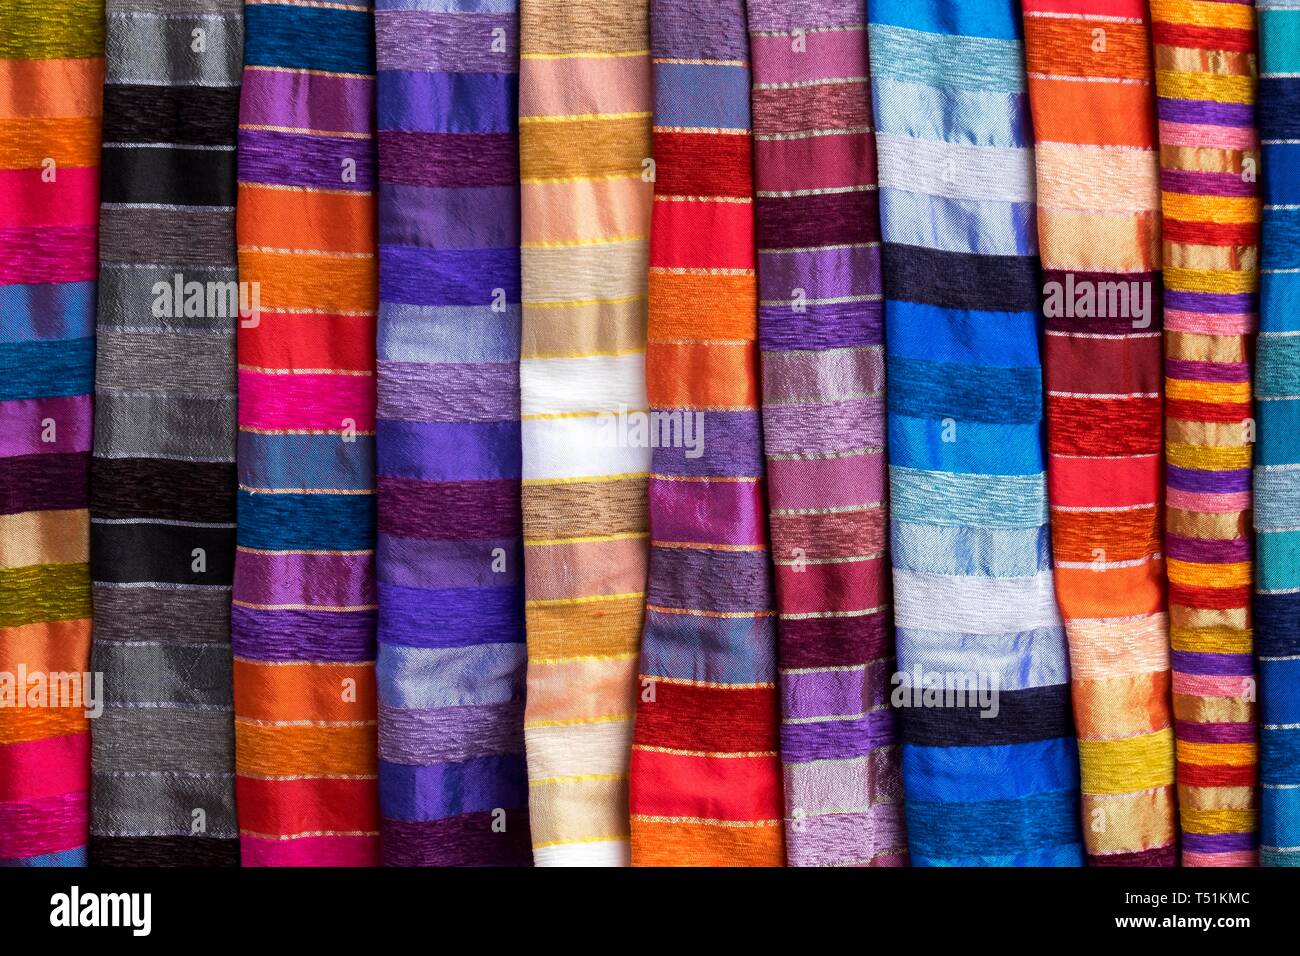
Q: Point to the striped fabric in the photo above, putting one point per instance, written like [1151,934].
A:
[163,472]
[706,775]
[1205,77]
[821,326]
[584,142]
[1277,461]
[1090,84]
[51,70]
[974,603]
[453,787]
[304,603]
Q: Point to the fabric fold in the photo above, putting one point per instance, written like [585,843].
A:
[1205,59]
[989,757]
[163,510]
[51,76]
[303,616]
[1277,452]
[1093,103]
[706,781]
[584,150]
[453,787]
[821,331]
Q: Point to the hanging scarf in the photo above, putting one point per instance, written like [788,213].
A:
[584,141]
[821,328]
[706,779]
[1277,472]
[1090,83]
[972,560]
[453,788]
[51,71]
[304,603]
[1205,78]
[163,472]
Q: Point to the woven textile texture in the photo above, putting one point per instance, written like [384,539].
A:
[453,788]
[304,602]
[1205,59]
[990,765]
[1277,451]
[51,72]
[821,326]
[584,147]
[163,473]
[1092,93]
[706,776]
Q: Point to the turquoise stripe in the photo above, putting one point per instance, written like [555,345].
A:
[1278,369]
[305,461]
[967,484]
[1279,39]
[985,501]
[1279,497]
[932,59]
[46,369]
[1278,558]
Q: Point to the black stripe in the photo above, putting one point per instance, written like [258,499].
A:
[131,553]
[961,280]
[1023,716]
[163,851]
[158,488]
[167,174]
[200,115]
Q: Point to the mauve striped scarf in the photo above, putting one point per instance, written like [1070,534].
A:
[820,323]
[450,559]
[51,71]
[163,473]
[1277,454]
[1205,58]
[975,611]
[705,786]
[303,623]
[1091,88]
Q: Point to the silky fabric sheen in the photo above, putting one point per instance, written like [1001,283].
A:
[821,330]
[453,789]
[1205,59]
[971,553]
[303,616]
[1277,451]
[1093,102]
[163,505]
[706,781]
[585,193]
[51,71]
